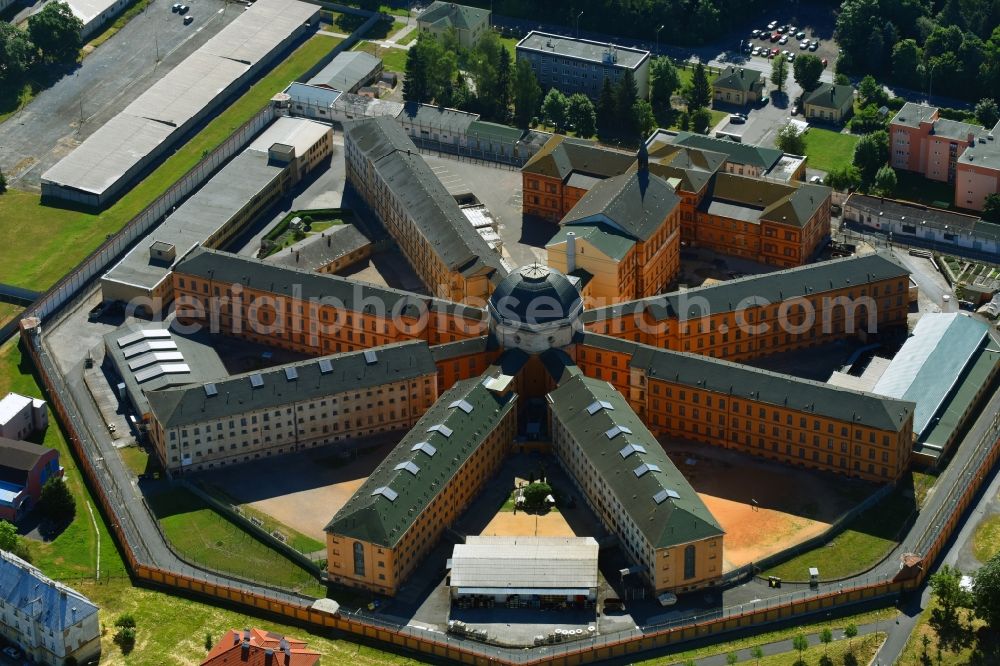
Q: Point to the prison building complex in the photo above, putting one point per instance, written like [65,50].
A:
[759,315]
[581,65]
[111,159]
[633,487]
[780,417]
[224,206]
[622,239]
[308,312]
[398,514]
[329,400]
[392,179]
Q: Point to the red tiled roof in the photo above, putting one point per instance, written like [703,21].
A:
[230,651]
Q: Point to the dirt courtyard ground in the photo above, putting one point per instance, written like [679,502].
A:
[792,504]
[508,523]
[300,491]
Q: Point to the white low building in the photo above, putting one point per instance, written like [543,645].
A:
[49,621]
[22,416]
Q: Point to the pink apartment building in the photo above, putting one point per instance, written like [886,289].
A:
[948,151]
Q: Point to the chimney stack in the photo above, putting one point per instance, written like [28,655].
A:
[570,251]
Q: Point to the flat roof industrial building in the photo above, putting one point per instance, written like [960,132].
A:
[102,166]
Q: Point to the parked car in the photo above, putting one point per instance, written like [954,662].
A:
[756,51]
[790,57]
[183,9]
[813,46]
[764,34]
[775,36]
[804,45]
[783,40]
[737,119]
[755,33]
[774,53]
[176,7]
[816,180]
[800,35]
[764,100]
[772,25]
[188,20]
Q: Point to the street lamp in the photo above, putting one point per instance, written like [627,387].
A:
[578,23]
[930,83]
[658,40]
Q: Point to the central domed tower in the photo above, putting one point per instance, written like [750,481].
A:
[535,308]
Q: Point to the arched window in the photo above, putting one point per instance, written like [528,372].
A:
[688,562]
[359,559]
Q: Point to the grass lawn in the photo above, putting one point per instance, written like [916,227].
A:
[393,59]
[859,651]
[828,150]
[913,653]
[914,187]
[866,540]
[37,260]
[986,540]
[136,458]
[771,637]
[296,540]
[205,537]
[8,311]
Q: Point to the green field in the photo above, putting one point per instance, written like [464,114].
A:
[38,260]
[986,541]
[8,311]
[829,150]
[867,539]
[861,650]
[204,537]
[393,59]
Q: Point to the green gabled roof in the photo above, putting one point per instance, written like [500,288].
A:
[293,382]
[664,521]
[561,156]
[460,348]
[772,388]
[637,202]
[738,153]
[829,96]
[757,289]
[452,15]
[793,205]
[611,242]
[692,167]
[738,78]
[370,515]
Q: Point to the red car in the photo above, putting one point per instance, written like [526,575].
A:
[774,53]
[775,36]
[825,63]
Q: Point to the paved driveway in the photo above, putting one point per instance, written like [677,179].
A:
[61,117]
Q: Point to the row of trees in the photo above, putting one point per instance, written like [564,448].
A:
[52,37]
[953,51]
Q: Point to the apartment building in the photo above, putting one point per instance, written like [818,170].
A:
[633,487]
[307,312]
[24,469]
[581,65]
[438,241]
[21,416]
[783,418]
[469,23]
[758,315]
[946,150]
[330,400]
[395,518]
[220,210]
[737,85]
[623,237]
[563,171]
[49,621]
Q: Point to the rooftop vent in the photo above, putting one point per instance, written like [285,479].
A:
[461,404]
[291,374]
[409,466]
[325,367]
[598,405]
[645,467]
[441,428]
[425,447]
[371,357]
[632,448]
[386,492]
[617,430]
[256,381]
[210,390]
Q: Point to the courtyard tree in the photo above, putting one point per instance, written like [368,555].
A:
[527,93]
[826,637]
[581,115]
[698,94]
[800,644]
[757,653]
[806,70]
[846,178]
[987,112]
[870,153]
[626,95]
[885,181]
[554,109]
[790,140]
[986,591]
[535,494]
[8,536]
[56,501]
[700,120]
[415,81]
[871,91]
[850,633]
[950,596]
[663,83]
[56,32]
[779,73]
[645,120]
[606,111]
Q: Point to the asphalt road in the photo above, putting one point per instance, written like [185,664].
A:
[69,111]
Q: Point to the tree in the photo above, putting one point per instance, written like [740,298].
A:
[850,633]
[16,53]
[208,640]
[732,658]
[581,115]
[698,94]
[3,183]
[8,536]
[56,502]
[554,109]
[684,121]
[663,83]
[644,120]
[415,78]
[986,586]
[757,652]
[854,31]
[779,73]
[870,153]
[826,637]
[885,181]
[125,636]
[606,111]
[535,494]
[484,65]
[527,93]
[841,80]
[700,120]
[947,586]
[987,112]
[505,85]
[906,68]
[868,120]
[807,69]
[56,32]
[871,92]
[847,178]
[790,140]
[626,94]
[800,643]
[991,208]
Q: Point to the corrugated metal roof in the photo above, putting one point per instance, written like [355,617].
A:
[525,563]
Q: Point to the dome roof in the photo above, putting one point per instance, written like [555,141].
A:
[535,294]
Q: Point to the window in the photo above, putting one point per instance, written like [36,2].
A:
[688,562]
[359,559]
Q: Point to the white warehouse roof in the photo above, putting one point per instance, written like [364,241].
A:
[163,110]
[524,563]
